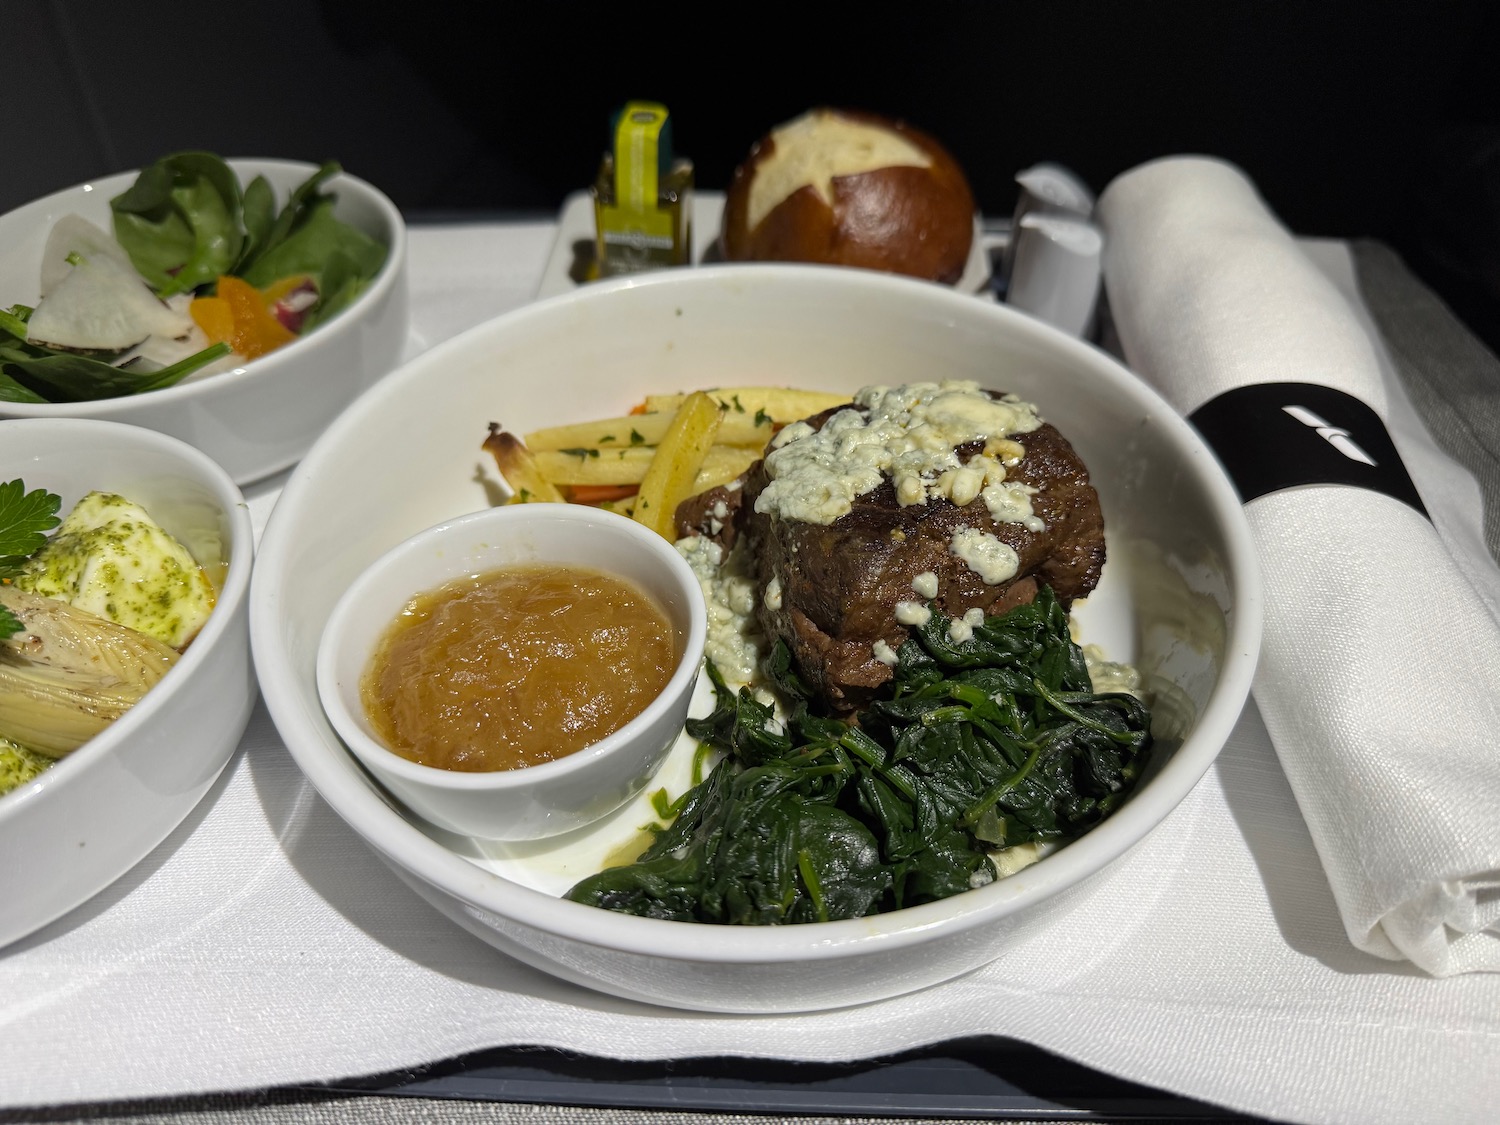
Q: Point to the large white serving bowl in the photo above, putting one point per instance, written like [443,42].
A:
[84,822]
[258,419]
[1180,597]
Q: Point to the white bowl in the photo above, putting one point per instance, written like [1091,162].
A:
[553,797]
[85,821]
[1180,597]
[258,419]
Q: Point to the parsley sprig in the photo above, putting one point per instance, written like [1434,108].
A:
[25,519]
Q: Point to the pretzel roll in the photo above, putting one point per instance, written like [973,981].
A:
[844,187]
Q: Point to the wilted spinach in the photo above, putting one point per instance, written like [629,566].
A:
[982,743]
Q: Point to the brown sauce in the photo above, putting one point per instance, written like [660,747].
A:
[517,666]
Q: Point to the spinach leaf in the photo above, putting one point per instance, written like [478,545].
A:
[180,221]
[258,215]
[12,391]
[66,377]
[318,245]
[13,345]
[302,197]
[981,743]
[339,284]
[13,321]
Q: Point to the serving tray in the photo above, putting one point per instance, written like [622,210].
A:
[573,250]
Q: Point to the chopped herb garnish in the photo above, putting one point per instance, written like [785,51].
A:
[581,452]
[762,418]
[636,438]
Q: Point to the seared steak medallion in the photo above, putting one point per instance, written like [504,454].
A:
[939,494]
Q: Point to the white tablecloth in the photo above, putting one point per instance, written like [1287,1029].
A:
[263,944]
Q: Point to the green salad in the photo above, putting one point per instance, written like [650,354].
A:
[198,273]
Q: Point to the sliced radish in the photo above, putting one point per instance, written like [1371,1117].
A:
[92,297]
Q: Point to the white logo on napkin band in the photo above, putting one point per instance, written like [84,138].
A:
[1334,435]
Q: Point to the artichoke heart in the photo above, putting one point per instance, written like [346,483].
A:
[69,673]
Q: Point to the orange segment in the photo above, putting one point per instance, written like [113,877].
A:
[256,331]
[213,315]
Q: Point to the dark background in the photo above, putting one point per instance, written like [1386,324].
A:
[1377,120]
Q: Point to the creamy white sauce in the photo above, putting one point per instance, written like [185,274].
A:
[1007,861]
[1110,675]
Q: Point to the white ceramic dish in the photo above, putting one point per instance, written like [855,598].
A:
[1180,596]
[258,419]
[83,823]
[553,797]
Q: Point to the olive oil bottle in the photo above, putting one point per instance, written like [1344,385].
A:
[643,197]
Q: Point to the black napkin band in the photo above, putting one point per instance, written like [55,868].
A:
[1271,436]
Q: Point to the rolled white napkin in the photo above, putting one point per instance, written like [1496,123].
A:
[1379,677]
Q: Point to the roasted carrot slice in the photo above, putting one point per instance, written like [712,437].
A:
[599,493]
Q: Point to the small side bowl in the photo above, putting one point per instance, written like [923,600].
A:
[534,801]
[84,822]
[259,419]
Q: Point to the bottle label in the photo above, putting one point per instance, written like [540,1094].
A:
[636,220]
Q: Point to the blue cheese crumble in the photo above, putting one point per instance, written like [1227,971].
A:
[984,554]
[908,434]
[734,640]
